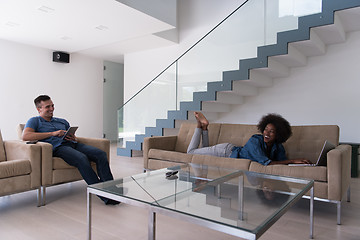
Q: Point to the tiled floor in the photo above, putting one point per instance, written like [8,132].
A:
[64,216]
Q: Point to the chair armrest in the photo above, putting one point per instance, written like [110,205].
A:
[47,163]
[17,150]
[100,143]
[160,142]
[339,171]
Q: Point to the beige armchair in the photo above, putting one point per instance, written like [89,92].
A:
[20,167]
[55,170]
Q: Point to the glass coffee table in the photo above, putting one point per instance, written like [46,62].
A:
[236,202]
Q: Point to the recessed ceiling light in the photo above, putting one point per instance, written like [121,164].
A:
[102,27]
[46,9]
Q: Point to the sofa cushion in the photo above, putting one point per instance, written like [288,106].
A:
[14,168]
[237,134]
[235,163]
[307,141]
[159,164]
[316,173]
[169,155]
[2,150]
[187,131]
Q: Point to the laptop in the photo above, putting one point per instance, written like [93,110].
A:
[321,161]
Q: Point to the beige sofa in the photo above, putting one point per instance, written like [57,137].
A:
[20,165]
[55,170]
[332,182]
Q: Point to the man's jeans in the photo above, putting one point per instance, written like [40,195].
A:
[80,155]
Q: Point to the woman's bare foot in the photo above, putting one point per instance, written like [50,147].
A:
[202,121]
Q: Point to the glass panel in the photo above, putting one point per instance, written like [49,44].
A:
[149,104]
[254,24]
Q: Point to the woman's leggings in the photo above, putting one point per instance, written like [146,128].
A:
[219,150]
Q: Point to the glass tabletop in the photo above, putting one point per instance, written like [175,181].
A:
[237,198]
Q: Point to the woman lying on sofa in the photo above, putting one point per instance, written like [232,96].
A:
[265,148]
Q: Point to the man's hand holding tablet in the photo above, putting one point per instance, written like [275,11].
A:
[70,134]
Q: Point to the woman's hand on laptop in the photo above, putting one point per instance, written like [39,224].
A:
[300,161]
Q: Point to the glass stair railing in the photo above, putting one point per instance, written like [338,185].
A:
[249,35]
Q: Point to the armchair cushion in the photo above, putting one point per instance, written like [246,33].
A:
[59,163]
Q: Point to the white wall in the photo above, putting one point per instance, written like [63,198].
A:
[75,88]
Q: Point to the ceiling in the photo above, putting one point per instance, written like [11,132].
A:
[105,29]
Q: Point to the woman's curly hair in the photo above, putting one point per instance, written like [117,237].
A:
[282,126]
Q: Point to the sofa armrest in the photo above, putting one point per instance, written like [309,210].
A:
[17,150]
[100,143]
[161,142]
[339,171]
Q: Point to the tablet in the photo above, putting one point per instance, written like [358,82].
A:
[71,130]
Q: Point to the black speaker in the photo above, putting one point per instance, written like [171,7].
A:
[61,57]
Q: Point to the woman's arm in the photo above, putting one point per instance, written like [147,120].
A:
[291,161]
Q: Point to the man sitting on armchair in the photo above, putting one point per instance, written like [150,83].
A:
[50,129]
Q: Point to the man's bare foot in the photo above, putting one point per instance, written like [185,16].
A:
[201,119]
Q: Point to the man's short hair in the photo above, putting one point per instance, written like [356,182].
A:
[40,99]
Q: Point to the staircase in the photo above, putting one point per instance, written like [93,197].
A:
[292,49]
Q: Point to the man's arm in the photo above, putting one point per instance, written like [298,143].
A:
[29,134]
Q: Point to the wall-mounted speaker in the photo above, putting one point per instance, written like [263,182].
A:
[61,57]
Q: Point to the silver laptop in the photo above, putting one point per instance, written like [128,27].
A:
[321,161]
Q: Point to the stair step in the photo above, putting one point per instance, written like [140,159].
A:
[211,116]
[332,34]
[229,98]
[312,47]
[258,79]
[215,107]
[139,137]
[294,58]
[350,19]
[165,123]
[243,89]
[274,69]
[124,152]
[204,96]
[153,131]
[179,122]
[177,115]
